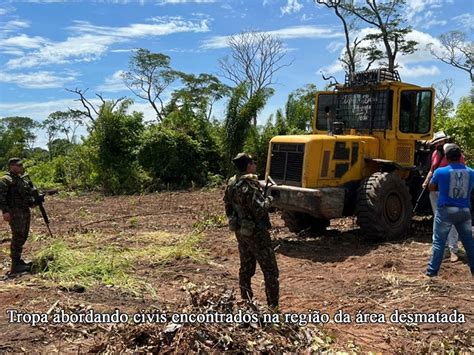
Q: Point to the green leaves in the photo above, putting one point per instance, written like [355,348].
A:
[172,157]
[16,137]
[240,112]
[116,139]
[149,75]
[460,127]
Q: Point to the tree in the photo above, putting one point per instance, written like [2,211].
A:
[148,77]
[350,57]
[172,157]
[457,51]
[115,140]
[62,122]
[460,127]
[386,18]
[240,113]
[444,105]
[254,60]
[299,107]
[17,137]
[21,129]
[67,122]
[199,94]
[91,110]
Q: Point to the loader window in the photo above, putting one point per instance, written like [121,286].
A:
[325,102]
[415,111]
[370,110]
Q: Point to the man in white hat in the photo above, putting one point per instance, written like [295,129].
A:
[438,160]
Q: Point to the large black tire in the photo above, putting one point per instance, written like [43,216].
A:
[297,222]
[384,208]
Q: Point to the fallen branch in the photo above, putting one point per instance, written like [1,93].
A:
[130,216]
[52,307]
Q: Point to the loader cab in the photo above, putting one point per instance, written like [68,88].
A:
[376,101]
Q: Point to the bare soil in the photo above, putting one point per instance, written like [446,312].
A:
[338,271]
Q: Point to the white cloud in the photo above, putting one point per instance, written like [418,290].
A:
[418,70]
[292,6]
[91,41]
[334,46]
[12,51]
[23,41]
[419,14]
[427,20]
[113,83]
[284,33]
[466,21]
[84,48]
[414,7]
[164,26]
[121,50]
[306,17]
[13,26]
[184,50]
[305,32]
[37,80]
[433,23]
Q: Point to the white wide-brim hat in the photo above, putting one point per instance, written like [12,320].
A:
[438,137]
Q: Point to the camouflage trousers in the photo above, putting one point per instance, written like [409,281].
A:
[253,249]
[20,226]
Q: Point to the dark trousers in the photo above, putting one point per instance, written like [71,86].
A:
[20,226]
[253,249]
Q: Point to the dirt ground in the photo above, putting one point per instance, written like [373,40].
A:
[337,271]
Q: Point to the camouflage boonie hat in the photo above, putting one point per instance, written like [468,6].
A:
[15,160]
[242,159]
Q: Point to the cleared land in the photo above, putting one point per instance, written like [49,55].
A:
[173,252]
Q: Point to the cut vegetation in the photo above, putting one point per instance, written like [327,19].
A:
[98,260]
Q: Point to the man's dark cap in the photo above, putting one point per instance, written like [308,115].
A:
[15,160]
[452,151]
[241,160]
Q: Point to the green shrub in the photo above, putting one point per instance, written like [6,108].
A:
[116,137]
[172,157]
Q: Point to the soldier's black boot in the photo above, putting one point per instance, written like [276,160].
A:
[18,268]
[18,265]
[22,262]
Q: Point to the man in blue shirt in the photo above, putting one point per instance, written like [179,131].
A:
[454,183]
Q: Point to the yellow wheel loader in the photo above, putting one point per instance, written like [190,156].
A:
[364,157]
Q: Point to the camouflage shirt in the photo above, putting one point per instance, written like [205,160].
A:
[244,198]
[15,192]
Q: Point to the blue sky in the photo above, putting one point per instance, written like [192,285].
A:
[47,45]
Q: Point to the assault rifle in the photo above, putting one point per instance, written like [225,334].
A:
[39,201]
[425,189]
[269,180]
[420,198]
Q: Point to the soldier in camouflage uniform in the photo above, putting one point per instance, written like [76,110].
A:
[247,211]
[15,202]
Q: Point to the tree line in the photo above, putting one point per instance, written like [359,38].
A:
[186,145]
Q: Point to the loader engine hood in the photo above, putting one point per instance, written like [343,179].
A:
[317,160]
